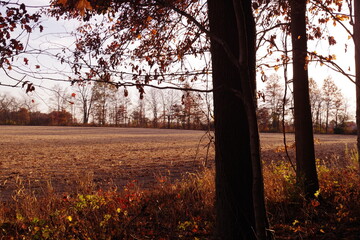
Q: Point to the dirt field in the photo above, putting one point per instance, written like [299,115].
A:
[66,157]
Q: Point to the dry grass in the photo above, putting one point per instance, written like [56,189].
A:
[177,206]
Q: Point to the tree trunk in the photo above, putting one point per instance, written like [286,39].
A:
[357,66]
[236,218]
[305,155]
[327,120]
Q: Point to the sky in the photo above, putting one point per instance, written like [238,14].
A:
[56,35]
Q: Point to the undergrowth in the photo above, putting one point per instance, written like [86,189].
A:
[185,210]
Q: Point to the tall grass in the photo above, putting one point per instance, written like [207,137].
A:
[184,209]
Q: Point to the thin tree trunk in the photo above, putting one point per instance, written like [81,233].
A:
[327,120]
[357,66]
[247,62]
[305,154]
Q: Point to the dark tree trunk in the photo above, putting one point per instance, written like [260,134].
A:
[236,218]
[357,66]
[305,155]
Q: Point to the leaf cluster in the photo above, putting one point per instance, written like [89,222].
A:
[15,19]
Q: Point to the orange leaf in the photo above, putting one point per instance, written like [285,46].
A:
[154,31]
[315,203]
[62,2]
[83,5]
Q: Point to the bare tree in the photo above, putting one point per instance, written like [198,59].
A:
[168,99]
[330,94]
[86,97]
[102,95]
[316,101]
[59,98]
[274,100]
[153,97]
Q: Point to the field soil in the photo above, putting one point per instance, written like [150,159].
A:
[70,159]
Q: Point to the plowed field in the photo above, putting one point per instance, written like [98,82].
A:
[67,157]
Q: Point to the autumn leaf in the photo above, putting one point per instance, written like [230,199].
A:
[37,66]
[315,203]
[153,32]
[83,5]
[332,40]
[62,2]
[26,61]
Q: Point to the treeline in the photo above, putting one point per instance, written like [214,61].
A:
[15,111]
[330,109]
[100,104]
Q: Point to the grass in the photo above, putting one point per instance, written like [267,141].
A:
[184,209]
[334,213]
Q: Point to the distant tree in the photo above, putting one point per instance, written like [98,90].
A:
[60,118]
[331,99]
[59,98]
[22,116]
[191,109]
[169,99]
[139,114]
[86,98]
[316,101]
[274,93]
[154,105]
[8,106]
[102,96]
[39,119]
[119,109]
[264,118]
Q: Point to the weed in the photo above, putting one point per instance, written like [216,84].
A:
[184,209]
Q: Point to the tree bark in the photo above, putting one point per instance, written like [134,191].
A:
[357,67]
[239,196]
[305,154]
